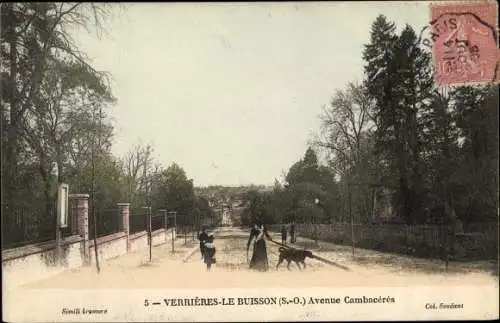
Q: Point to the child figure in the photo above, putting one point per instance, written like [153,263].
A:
[209,251]
[202,237]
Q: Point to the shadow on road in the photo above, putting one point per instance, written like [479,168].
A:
[397,263]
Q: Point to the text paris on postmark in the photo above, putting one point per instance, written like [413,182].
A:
[464,42]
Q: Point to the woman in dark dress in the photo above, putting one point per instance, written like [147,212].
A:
[259,256]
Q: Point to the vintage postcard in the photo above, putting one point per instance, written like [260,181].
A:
[246,162]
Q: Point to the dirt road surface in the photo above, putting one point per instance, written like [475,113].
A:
[167,270]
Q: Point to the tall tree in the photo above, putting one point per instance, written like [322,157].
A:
[414,91]
[378,83]
[34,35]
[399,81]
[70,95]
[347,128]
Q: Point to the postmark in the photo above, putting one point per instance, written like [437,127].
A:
[464,41]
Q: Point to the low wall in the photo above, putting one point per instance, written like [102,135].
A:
[38,261]
[139,240]
[162,236]
[109,246]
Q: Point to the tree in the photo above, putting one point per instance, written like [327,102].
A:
[34,36]
[475,182]
[378,54]
[305,170]
[261,205]
[439,149]
[346,130]
[414,91]
[142,173]
[109,181]
[307,181]
[70,95]
[175,191]
[398,80]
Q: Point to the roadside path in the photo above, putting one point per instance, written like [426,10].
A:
[185,269]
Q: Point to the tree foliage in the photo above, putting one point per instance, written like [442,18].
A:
[427,141]
[55,118]
[48,91]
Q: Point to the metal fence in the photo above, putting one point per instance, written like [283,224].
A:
[138,220]
[108,222]
[419,240]
[173,220]
[158,221]
[27,225]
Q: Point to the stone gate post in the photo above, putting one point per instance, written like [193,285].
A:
[125,216]
[82,223]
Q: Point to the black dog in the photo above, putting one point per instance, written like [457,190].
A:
[295,255]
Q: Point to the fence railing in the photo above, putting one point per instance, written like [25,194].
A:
[425,240]
[138,220]
[157,221]
[108,222]
[27,225]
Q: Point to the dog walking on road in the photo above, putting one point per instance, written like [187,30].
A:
[295,255]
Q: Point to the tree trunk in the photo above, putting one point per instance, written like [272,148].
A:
[374,203]
[11,153]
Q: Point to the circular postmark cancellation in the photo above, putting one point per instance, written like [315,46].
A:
[464,42]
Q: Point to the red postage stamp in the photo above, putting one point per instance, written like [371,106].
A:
[465,37]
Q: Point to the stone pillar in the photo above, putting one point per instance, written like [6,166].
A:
[125,215]
[82,220]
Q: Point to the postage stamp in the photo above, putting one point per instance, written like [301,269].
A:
[256,162]
[465,42]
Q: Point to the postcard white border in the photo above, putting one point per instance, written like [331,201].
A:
[479,302]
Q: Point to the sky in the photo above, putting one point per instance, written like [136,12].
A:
[232,92]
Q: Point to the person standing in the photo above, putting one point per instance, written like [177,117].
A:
[292,232]
[202,237]
[283,234]
[209,251]
[259,259]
